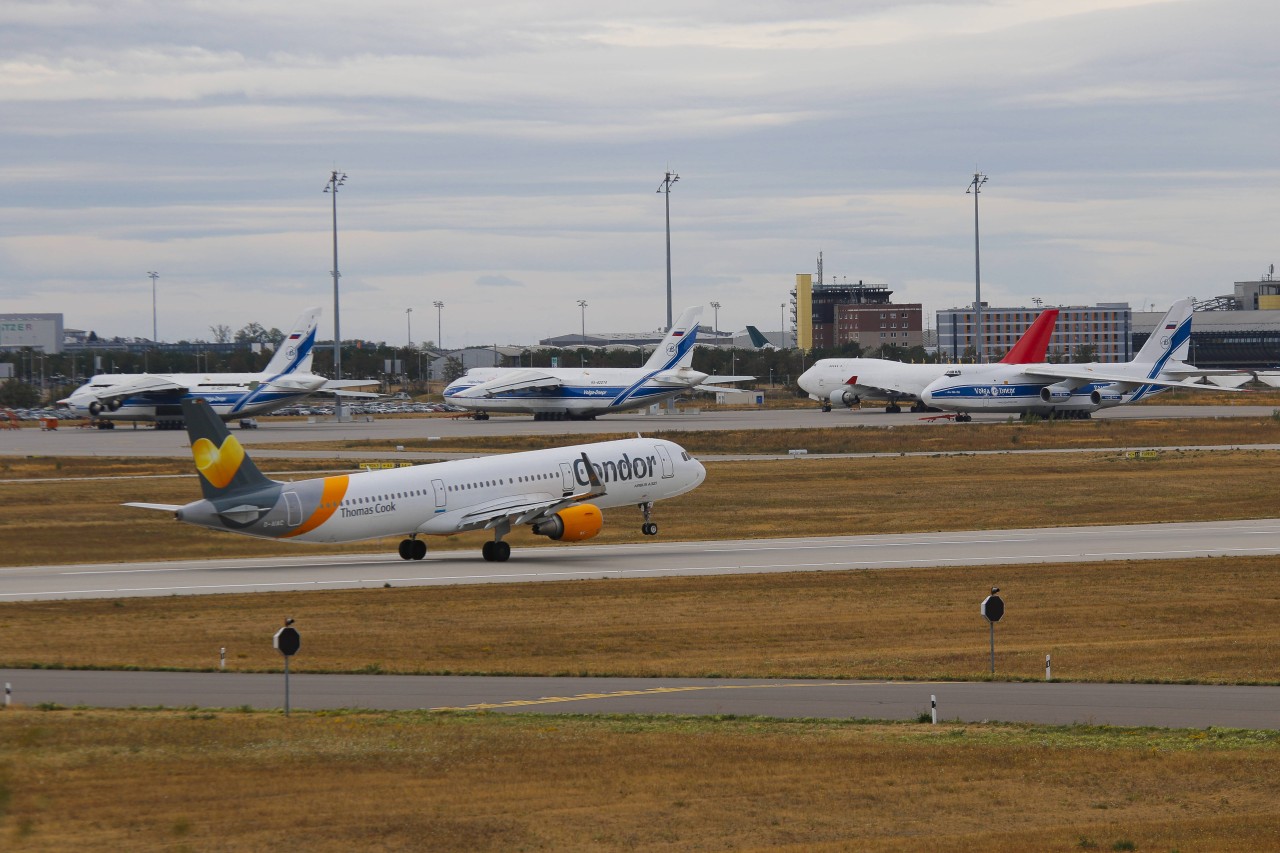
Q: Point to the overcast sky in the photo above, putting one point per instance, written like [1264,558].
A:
[504,157]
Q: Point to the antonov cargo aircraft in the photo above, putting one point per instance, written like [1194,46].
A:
[156,396]
[845,381]
[559,492]
[1076,390]
[556,393]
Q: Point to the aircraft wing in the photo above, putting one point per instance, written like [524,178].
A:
[517,380]
[1060,372]
[142,385]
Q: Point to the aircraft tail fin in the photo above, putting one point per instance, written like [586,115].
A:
[1034,343]
[225,469]
[294,353]
[1171,338]
[676,349]
[758,340]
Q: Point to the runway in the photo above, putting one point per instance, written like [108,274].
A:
[126,441]
[1168,705]
[294,570]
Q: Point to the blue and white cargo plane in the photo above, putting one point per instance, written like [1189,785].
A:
[559,492]
[556,393]
[1076,390]
[157,396]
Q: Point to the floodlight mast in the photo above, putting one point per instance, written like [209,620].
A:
[665,188]
[336,179]
[153,275]
[975,187]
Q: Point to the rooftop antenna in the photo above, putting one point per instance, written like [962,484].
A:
[819,269]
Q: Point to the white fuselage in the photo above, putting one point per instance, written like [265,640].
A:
[867,378]
[1003,388]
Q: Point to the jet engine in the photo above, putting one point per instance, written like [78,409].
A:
[1058,393]
[844,396]
[1106,397]
[95,408]
[572,524]
[112,405]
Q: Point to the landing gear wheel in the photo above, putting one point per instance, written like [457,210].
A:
[419,549]
[495,551]
[406,549]
[649,528]
[826,407]
[892,409]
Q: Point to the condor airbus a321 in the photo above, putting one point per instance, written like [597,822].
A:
[560,492]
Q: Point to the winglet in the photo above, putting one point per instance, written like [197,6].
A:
[1034,343]
[597,485]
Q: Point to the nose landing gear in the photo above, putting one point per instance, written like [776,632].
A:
[649,528]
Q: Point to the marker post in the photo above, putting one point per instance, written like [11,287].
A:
[287,641]
[993,611]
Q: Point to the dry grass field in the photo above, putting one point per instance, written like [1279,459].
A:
[225,780]
[1205,620]
[228,780]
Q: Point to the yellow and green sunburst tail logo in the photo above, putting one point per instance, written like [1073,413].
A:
[218,465]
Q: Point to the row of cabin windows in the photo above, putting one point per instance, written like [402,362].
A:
[459,488]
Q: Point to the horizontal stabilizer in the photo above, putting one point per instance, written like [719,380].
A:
[161,507]
[720,380]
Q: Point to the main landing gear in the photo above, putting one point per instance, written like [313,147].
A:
[497,551]
[649,528]
[413,548]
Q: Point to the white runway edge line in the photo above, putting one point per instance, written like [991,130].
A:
[682,570]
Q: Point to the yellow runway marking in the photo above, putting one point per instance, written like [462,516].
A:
[549,700]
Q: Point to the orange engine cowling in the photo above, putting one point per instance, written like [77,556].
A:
[572,524]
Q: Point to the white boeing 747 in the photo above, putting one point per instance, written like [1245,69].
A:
[157,396]
[845,381]
[555,393]
[1076,390]
[559,492]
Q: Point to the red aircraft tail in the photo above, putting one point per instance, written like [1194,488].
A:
[1034,343]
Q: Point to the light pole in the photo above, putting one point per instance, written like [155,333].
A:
[336,179]
[715,306]
[782,324]
[665,189]
[408,329]
[975,187]
[154,275]
[439,306]
[582,305]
